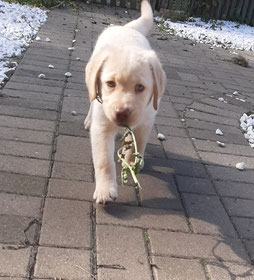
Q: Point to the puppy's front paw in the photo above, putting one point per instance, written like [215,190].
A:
[103,194]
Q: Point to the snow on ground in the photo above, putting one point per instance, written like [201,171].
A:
[219,33]
[18,26]
[247,125]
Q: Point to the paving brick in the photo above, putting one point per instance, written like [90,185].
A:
[180,167]
[245,227]
[42,68]
[203,116]
[66,223]
[54,87]
[71,189]
[208,125]
[172,131]
[168,121]
[180,108]
[212,136]
[79,104]
[25,149]
[62,263]
[75,128]
[207,215]
[176,268]
[226,159]
[16,134]
[170,72]
[197,246]
[179,148]
[11,93]
[216,103]
[49,53]
[231,174]
[26,103]
[27,166]
[195,185]
[167,110]
[249,244]
[239,207]
[26,123]
[14,260]
[72,171]
[109,239]
[70,118]
[159,191]
[214,86]
[237,190]
[33,87]
[189,77]
[232,149]
[215,110]
[19,205]
[154,151]
[18,230]
[141,217]
[75,93]
[73,149]
[28,113]
[225,271]
[22,184]
[39,63]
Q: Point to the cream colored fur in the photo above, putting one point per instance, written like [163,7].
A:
[122,55]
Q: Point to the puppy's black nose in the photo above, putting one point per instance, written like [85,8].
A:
[122,115]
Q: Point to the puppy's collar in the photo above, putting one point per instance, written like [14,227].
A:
[98,97]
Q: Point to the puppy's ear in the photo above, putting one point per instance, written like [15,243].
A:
[159,79]
[93,69]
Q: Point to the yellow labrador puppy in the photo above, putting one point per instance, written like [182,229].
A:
[125,82]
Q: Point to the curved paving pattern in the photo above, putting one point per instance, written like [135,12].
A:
[193,219]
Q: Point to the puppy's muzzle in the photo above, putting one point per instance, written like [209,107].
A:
[122,116]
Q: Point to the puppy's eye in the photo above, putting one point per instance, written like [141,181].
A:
[139,88]
[111,84]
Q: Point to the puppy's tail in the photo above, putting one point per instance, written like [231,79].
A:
[144,23]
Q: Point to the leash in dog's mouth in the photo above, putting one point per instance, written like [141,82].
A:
[135,167]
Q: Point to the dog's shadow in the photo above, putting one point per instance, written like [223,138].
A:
[161,190]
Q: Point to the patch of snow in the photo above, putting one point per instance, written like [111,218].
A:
[218,132]
[220,144]
[18,26]
[68,74]
[42,76]
[161,137]
[219,33]
[240,165]
[247,126]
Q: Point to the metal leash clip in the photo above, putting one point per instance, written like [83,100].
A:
[99,98]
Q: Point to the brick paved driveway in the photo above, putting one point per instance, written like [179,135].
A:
[193,219]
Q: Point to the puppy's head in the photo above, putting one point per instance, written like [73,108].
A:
[127,81]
